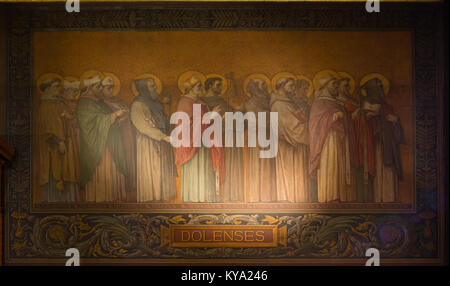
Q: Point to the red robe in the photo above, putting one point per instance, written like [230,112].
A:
[184,154]
[352,134]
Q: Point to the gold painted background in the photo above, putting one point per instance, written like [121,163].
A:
[169,54]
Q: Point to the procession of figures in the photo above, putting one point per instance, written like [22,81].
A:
[338,142]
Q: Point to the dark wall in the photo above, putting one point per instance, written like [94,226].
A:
[3,23]
[3,65]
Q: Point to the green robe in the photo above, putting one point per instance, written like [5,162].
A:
[96,133]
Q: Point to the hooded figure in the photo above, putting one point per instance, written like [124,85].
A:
[155,164]
[380,134]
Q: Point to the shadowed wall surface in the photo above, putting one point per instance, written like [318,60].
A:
[3,89]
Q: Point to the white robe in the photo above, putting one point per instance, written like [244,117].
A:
[155,167]
[331,173]
[292,157]
[260,172]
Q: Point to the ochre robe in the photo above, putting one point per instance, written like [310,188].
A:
[71,161]
[292,157]
[51,133]
[199,165]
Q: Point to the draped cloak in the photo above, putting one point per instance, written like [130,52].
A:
[388,133]
[379,144]
[378,148]
[184,154]
[292,157]
[98,133]
[326,135]
[129,143]
[233,188]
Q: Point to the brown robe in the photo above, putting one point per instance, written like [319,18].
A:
[71,163]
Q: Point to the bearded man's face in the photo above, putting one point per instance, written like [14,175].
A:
[217,87]
[289,88]
[332,88]
[257,87]
[152,89]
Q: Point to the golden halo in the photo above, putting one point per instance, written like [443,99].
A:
[73,79]
[384,80]
[45,77]
[146,75]
[89,74]
[310,89]
[321,74]
[187,75]
[278,76]
[116,89]
[351,81]
[257,76]
[224,81]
